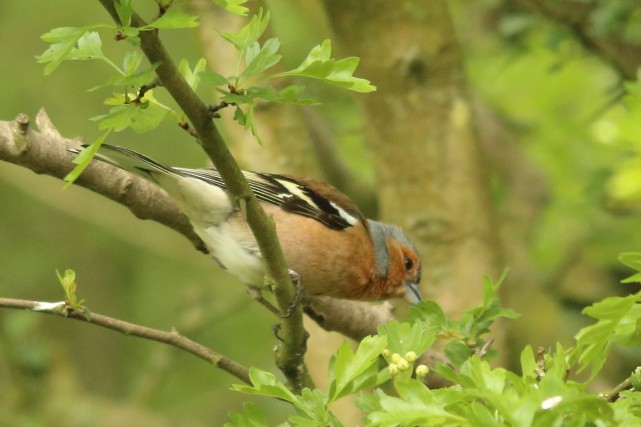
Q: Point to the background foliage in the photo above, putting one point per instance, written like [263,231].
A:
[543,98]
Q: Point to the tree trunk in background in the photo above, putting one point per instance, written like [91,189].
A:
[289,147]
[431,175]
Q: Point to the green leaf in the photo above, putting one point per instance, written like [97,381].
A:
[483,376]
[265,384]
[68,283]
[246,119]
[632,260]
[635,278]
[89,47]
[135,80]
[348,366]
[63,40]
[529,364]
[250,33]
[132,61]
[289,95]
[574,409]
[259,59]
[210,78]
[233,6]
[429,313]
[251,416]
[476,321]
[313,404]
[141,117]
[370,402]
[131,34]
[125,11]
[617,318]
[458,352]
[84,158]
[319,65]
[174,18]
[292,95]
[416,406]
[192,76]
[635,378]
[405,337]
[240,117]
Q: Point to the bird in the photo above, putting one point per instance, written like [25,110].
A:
[326,240]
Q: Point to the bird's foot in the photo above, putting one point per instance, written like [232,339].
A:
[300,293]
[257,294]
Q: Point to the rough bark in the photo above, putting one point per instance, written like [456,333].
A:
[432,177]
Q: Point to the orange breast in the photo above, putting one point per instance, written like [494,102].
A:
[330,262]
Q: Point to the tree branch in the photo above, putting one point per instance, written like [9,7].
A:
[289,355]
[624,57]
[172,338]
[45,152]
[613,394]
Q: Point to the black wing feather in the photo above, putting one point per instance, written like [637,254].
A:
[270,188]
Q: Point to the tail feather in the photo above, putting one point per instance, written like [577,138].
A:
[129,160]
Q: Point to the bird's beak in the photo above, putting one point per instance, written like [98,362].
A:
[412,292]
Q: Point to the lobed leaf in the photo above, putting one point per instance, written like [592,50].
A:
[348,366]
[319,65]
[250,33]
[174,18]
[63,41]
[233,6]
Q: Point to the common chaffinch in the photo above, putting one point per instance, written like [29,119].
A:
[325,238]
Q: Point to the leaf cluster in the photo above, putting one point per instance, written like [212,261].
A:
[134,106]
[391,391]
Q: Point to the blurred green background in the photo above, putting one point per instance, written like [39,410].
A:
[52,371]
[557,105]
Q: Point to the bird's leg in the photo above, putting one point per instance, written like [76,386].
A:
[257,294]
[276,329]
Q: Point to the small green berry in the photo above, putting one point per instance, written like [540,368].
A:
[421,371]
[403,364]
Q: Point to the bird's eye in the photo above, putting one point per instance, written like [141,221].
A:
[408,263]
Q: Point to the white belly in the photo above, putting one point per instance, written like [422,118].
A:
[235,249]
[227,236]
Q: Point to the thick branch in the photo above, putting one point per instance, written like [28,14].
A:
[172,338]
[45,152]
[289,355]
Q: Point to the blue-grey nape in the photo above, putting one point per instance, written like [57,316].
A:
[380,232]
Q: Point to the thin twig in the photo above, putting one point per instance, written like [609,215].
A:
[144,89]
[576,16]
[214,109]
[613,394]
[172,338]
